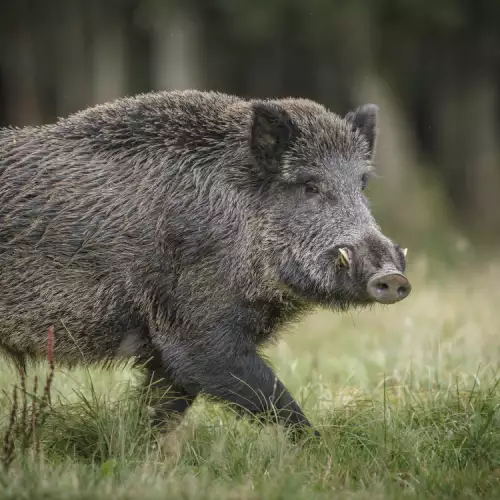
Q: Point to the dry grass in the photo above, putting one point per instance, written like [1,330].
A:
[406,397]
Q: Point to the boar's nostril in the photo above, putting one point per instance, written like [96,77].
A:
[388,288]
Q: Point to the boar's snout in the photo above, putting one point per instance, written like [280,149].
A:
[388,287]
[373,269]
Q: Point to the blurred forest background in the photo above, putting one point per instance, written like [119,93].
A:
[433,67]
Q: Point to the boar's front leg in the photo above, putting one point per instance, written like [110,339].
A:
[235,373]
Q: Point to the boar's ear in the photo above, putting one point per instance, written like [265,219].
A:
[364,119]
[272,133]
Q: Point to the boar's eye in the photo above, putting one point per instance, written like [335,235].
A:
[308,184]
[311,188]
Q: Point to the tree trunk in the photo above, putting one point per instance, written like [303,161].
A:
[176,50]
[108,57]
[467,131]
[74,83]
[22,105]
[481,158]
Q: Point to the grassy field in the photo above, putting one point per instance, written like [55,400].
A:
[406,398]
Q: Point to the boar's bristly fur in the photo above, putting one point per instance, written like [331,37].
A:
[182,229]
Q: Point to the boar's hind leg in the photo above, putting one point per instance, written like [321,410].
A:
[243,379]
[168,400]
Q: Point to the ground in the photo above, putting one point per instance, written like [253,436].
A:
[405,397]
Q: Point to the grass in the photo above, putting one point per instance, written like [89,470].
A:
[406,398]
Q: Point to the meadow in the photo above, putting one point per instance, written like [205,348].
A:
[405,396]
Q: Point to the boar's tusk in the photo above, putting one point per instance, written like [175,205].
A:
[405,252]
[344,257]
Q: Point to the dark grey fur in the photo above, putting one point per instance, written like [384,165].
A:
[183,228]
